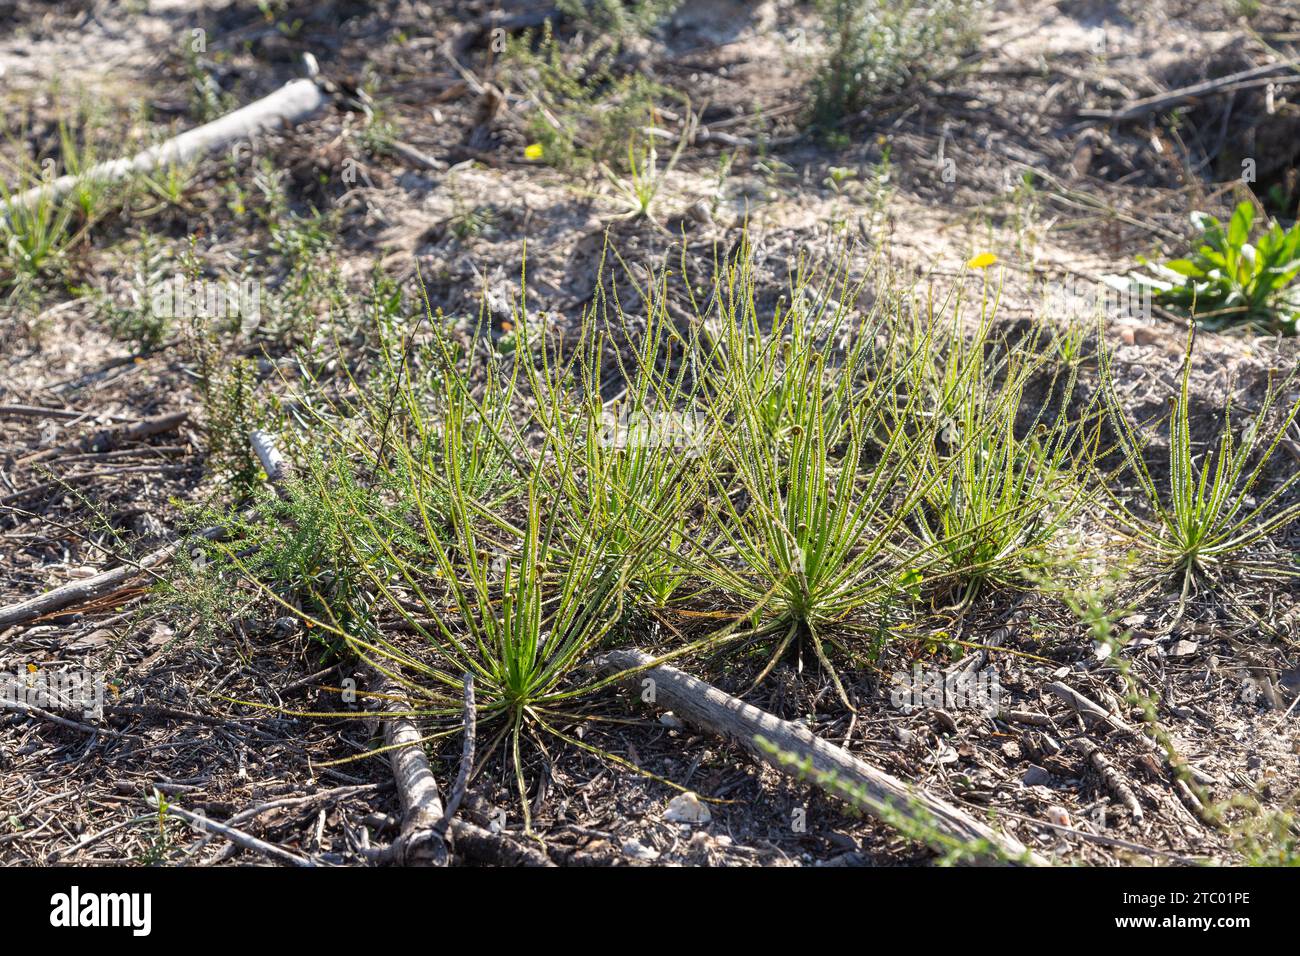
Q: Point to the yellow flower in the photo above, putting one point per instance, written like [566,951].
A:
[533,151]
[982,261]
[32,668]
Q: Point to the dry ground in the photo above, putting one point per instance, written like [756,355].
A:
[177,717]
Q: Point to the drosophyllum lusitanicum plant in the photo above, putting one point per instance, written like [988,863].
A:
[1213,507]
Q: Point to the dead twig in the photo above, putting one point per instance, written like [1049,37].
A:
[1110,776]
[466,754]
[1088,707]
[109,437]
[1151,104]
[238,837]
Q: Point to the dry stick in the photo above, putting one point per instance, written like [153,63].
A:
[292,103]
[93,838]
[1025,717]
[25,708]
[424,822]
[40,411]
[108,437]
[887,797]
[476,843]
[415,157]
[239,837]
[79,592]
[268,454]
[243,816]
[422,839]
[1110,776]
[466,753]
[1087,706]
[1140,108]
[421,842]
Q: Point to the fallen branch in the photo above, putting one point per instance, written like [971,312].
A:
[466,753]
[1089,707]
[290,104]
[273,463]
[238,837]
[107,438]
[887,797]
[23,707]
[1110,776]
[421,841]
[75,593]
[424,821]
[476,843]
[41,411]
[1139,108]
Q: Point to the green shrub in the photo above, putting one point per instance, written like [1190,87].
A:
[873,47]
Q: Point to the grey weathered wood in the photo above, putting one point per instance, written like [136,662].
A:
[79,592]
[422,841]
[236,836]
[268,454]
[291,103]
[1139,108]
[704,705]
[108,437]
[1110,776]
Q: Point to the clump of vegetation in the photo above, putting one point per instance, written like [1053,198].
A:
[805,520]
[617,18]
[463,525]
[873,47]
[1228,281]
[585,110]
[1201,519]
[128,310]
[647,452]
[1000,490]
[1270,838]
[801,472]
[34,235]
[636,192]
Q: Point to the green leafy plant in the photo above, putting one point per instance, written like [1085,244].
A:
[168,186]
[36,234]
[619,18]
[1228,281]
[508,601]
[130,315]
[636,192]
[643,455]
